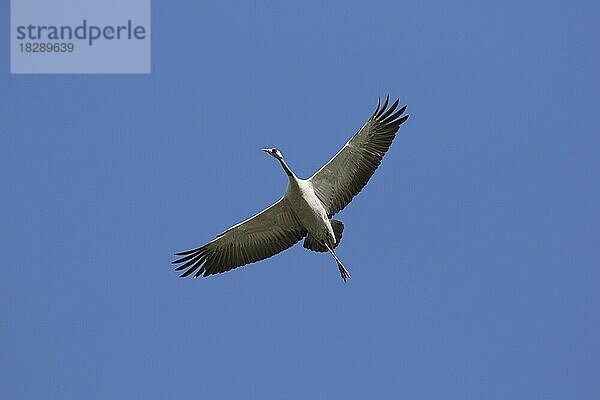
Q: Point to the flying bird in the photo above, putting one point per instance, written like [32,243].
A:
[306,208]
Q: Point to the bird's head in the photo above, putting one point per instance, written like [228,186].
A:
[274,152]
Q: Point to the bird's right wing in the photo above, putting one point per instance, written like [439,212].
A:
[344,176]
[267,233]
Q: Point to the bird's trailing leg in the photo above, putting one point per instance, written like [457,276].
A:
[343,271]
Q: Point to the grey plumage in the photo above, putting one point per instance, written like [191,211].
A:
[267,233]
[313,244]
[344,176]
[307,206]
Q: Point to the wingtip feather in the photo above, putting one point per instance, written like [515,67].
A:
[376,108]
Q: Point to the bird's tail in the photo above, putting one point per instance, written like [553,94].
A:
[343,271]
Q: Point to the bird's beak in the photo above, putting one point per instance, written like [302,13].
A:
[265,150]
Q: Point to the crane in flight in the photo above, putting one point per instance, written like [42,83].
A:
[306,208]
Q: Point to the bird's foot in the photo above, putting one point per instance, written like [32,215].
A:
[343,272]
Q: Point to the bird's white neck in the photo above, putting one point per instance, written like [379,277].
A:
[287,169]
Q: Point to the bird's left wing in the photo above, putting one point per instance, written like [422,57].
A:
[267,233]
[344,176]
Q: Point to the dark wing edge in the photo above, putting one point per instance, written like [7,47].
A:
[269,232]
[344,176]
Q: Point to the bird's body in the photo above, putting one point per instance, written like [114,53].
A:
[307,206]
[309,210]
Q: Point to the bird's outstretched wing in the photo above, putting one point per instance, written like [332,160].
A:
[267,233]
[343,177]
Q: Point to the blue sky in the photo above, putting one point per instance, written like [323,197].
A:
[473,250]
